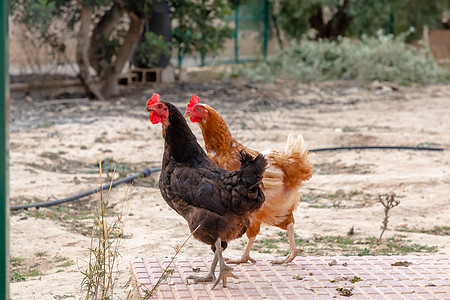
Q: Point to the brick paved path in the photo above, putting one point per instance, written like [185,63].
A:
[324,277]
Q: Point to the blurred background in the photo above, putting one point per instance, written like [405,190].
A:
[103,46]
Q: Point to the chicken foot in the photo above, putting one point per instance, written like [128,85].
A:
[245,255]
[293,250]
[224,270]
[209,276]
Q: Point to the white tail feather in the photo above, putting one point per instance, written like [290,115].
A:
[297,145]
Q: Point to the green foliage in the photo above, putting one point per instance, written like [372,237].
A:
[150,50]
[417,14]
[199,28]
[293,15]
[393,16]
[380,57]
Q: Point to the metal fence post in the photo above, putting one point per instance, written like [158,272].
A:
[236,34]
[4,130]
[266,27]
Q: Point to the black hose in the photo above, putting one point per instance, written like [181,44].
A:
[376,147]
[147,172]
[143,173]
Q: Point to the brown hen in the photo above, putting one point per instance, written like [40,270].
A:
[282,180]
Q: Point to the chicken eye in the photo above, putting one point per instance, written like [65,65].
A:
[159,106]
[198,109]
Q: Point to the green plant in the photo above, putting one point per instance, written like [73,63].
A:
[200,28]
[380,57]
[33,273]
[150,50]
[16,261]
[330,18]
[16,277]
[436,230]
[107,32]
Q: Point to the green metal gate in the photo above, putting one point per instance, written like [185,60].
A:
[4,119]
[251,23]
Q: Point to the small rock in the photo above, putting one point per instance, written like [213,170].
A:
[340,193]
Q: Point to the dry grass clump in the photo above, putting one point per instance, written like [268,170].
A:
[388,203]
[99,277]
[100,274]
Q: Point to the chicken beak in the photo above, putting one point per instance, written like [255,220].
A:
[148,109]
[187,114]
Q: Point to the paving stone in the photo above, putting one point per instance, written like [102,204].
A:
[427,277]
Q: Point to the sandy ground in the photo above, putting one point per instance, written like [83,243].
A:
[54,149]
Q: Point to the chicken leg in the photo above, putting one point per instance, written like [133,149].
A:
[246,254]
[224,270]
[293,250]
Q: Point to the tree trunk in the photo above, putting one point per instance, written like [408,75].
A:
[337,26]
[275,24]
[110,79]
[82,52]
[316,22]
[100,33]
[340,22]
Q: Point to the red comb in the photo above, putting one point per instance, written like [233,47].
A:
[193,101]
[153,99]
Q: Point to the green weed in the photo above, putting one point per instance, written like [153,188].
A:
[436,230]
[342,245]
[16,277]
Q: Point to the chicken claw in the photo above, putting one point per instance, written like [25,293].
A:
[223,274]
[293,251]
[241,260]
[208,277]
[291,256]
[246,255]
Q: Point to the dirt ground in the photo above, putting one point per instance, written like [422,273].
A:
[55,148]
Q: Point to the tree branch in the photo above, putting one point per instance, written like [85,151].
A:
[100,33]
[111,76]
[82,52]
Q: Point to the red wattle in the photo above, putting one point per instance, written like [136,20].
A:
[154,118]
[194,119]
